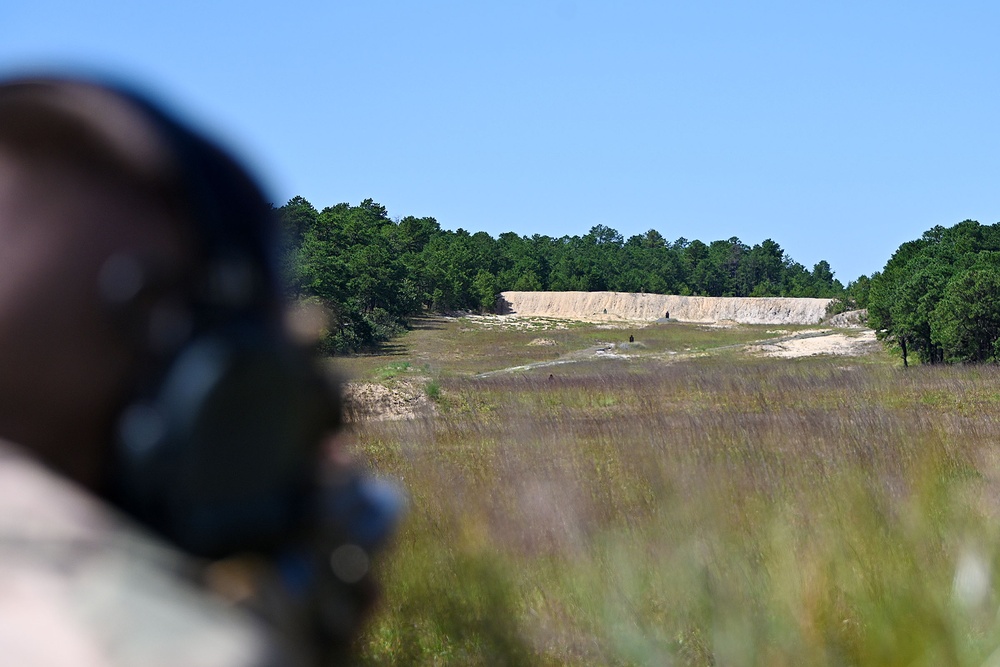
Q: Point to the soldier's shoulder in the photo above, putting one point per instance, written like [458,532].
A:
[80,585]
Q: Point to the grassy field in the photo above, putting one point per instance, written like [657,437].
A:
[678,501]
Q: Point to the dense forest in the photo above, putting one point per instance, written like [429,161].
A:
[937,297]
[372,272]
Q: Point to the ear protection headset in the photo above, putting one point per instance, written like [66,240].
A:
[218,449]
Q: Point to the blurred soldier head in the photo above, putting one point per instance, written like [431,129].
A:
[143,343]
[84,178]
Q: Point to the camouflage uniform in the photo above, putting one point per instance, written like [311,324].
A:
[81,586]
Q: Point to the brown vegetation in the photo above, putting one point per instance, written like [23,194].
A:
[726,510]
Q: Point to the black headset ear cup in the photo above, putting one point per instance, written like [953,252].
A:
[223,457]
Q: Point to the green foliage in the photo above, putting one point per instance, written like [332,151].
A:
[486,290]
[350,258]
[935,297]
[858,290]
[433,390]
[838,306]
[527,282]
[967,318]
[374,273]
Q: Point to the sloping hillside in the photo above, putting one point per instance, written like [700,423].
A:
[596,306]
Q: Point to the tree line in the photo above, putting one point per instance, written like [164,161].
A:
[373,272]
[937,297]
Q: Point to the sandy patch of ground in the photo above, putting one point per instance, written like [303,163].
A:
[827,342]
[544,342]
[364,401]
[611,354]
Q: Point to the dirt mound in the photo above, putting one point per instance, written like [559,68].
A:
[546,342]
[364,401]
[599,306]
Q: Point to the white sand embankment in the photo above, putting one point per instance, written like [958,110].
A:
[599,306]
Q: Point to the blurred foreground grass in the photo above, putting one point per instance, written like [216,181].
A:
[723,510]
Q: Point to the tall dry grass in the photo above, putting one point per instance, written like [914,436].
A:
[723,511]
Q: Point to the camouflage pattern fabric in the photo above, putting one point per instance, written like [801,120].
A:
[81,586]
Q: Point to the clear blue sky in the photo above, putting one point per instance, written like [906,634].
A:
[839,129]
